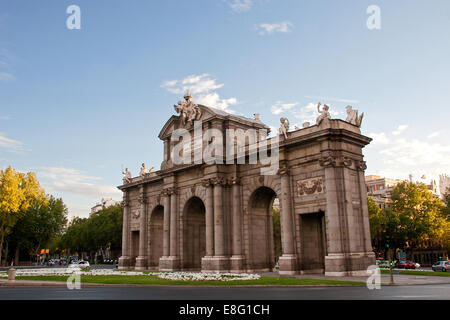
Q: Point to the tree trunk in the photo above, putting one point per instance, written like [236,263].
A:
[16,258]
[1,246]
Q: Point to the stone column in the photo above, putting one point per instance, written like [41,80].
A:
[173,224]
[219,248]
[288,261]
[124,260]
[141,260]
[237,259]
[166,224]
[170,261]
[220,261]
[209,219]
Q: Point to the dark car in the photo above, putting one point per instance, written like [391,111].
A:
[443,266]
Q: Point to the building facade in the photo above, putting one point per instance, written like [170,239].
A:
[218,216]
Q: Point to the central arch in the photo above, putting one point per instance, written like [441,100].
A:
[194,244]
[264,247]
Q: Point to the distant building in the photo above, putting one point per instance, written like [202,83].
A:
[444,184]
[379,189]
[433,187]
[106,203]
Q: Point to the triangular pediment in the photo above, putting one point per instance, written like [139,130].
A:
[207,114]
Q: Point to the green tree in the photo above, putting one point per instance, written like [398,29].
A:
[18,191]
[102,230]
[39,224]
[418,213]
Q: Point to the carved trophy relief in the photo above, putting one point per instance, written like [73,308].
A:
[310,186]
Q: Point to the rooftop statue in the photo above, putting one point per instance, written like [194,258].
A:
[144,170]
[324,113]
[189,111]
[352,116]
[127,176]
[284,127]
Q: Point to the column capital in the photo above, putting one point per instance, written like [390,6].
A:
[206,183]
[172,191]
[284,171]
[126,199]
[234,181]
[218,181]
[361,165]
[327,160]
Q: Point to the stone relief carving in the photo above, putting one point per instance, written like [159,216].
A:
[361,165]
[136,213]
[352,116]
[283,130]
[324,113]
[189,111]
[310,186]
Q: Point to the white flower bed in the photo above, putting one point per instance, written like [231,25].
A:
[183,276]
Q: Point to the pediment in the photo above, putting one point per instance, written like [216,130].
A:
[207,114]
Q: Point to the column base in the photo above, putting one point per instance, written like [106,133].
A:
[141,263]
[237,264]
[124,262]
[351,264]
[287,264]
[216,264]
[171,263]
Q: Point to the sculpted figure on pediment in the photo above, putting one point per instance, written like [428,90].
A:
[188,111]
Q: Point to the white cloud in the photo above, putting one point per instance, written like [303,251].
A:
[72,181]
[270,28]
[203,86]
[397,157]
[6,76]
[240,5]
[10,144]
[400,129]
[280,107]
[433,135]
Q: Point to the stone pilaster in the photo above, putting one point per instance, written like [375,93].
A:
[172,262]
[237,259]
[288,260]
[220,261]
[209,221]
[141,260]
[124,260]
[344,255]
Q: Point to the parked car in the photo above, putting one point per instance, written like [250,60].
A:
[383,263]
[441,266]
[405,265]
[79,264]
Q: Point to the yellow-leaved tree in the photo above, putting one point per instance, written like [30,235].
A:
[18,191]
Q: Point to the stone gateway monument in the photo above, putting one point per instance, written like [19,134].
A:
[209,207]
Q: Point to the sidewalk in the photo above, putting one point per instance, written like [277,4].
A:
[399,280]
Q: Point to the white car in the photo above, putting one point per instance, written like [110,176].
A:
[79,264]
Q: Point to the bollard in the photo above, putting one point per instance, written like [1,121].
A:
[11,274]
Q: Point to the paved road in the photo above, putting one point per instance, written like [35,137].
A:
[425,292]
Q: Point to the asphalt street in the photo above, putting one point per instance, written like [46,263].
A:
[423,292]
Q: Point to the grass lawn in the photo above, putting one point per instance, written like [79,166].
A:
[419,273]
[154,280]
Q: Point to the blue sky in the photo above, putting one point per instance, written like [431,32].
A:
[75,105]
